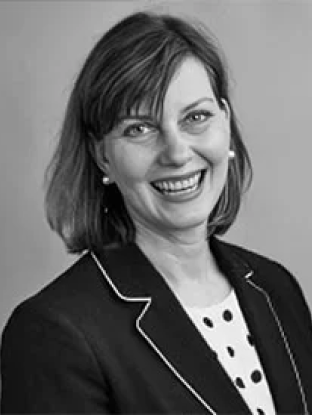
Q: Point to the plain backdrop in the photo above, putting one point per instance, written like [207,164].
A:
[268,45]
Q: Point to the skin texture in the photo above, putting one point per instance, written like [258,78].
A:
[171,229]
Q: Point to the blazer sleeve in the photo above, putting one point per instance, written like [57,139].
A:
[47,366]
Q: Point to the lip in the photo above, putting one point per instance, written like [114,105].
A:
[185,176]
[182,196]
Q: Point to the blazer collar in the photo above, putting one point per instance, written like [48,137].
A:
[167,329]
[133,275]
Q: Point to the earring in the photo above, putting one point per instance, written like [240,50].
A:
[231,154]
[106,180]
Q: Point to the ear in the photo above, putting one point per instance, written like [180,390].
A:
[227,114]
[226,108]
[98,153]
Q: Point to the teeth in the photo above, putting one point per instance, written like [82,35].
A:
[179,185]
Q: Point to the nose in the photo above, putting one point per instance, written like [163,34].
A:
[176,150]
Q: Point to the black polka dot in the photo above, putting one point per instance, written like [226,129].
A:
[239,382]
[250,339]
[230,351]
[260,411]
[256,376]
[227,315]
[208,322]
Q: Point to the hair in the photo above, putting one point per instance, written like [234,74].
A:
[131,64]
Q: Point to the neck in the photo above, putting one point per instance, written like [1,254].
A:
[178,256]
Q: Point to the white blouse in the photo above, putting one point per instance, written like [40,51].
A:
[224,328]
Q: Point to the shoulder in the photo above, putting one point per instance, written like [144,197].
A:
[252,257]
[70,301]
[274,278]
[49,337]
[266,272]
[262,266]
[76,285]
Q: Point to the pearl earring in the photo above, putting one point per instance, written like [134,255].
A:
[231,154]
[106,180]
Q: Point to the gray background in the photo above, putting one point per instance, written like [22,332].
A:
[269,49]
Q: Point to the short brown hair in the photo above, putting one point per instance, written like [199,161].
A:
[131,63]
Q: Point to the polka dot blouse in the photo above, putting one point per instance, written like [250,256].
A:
[224,329]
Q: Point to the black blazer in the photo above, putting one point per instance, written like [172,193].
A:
[109,336]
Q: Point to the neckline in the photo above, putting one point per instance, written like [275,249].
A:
[221,304]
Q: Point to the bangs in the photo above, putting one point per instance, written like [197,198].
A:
[141,85]
[134,74]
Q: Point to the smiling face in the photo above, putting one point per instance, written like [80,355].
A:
[171,171]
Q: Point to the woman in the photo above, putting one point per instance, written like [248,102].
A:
[158,315]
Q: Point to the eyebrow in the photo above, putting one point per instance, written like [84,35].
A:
[145,117]
[197,102]
[148,117]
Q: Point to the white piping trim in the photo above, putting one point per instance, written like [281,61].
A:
[166,361]
[113,286]
[247,276]
[148,301]
[284,337]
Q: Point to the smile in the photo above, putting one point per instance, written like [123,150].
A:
[179,186]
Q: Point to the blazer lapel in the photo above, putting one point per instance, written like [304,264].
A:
[173,336]
[167,329]
[266,329]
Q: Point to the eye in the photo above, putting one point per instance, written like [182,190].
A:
[137,130]
[197,117]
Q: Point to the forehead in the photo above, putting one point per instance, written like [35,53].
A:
[189,84]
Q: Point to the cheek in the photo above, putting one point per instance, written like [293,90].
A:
[128,166]
[217,146]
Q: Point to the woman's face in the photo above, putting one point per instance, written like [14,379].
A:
[171,171]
